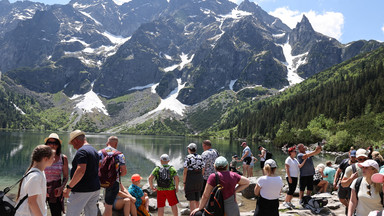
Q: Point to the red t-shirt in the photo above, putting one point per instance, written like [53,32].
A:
[228,180]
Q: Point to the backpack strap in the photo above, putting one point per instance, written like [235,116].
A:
[357,186]
[354,168]
[7,189]
[21,202]
[217,178]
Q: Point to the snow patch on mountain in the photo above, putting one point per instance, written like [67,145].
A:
[293,63]
[171,103]
[89,16]
[236,14]
[89,102]
[120,2]
[184,61]
[232,83]
[75,39]
[18,109]
[115,38]
[278,35]
[142,87]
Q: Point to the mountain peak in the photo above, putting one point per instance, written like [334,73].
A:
[304,24]
[89,2]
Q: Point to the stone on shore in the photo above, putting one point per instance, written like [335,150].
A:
[146,188]
[249,191]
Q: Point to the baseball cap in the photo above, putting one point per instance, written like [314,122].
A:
[136,177]
[164,157]
[369,163]
[271,163]
[353,153]
[378,178]
[221,162]
[293,148]
[235,156]
[361,153]
[192,146]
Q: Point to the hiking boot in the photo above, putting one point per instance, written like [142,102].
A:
[286,205]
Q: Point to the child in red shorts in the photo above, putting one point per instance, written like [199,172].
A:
[167,185]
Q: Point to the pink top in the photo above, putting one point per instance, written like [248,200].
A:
[228,180]
[53,173]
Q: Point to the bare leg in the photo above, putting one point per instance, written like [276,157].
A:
[174,210]
[245,170]
[250,171]
[147,203]
[108,210]
[124,204]
[301,194]
[288,198]
[309,193]
[133,209]
[160,211]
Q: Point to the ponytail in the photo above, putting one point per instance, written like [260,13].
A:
[38,154]
[269,170]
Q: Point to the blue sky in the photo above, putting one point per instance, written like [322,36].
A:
[345,20]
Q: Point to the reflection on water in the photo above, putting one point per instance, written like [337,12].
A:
[142,153]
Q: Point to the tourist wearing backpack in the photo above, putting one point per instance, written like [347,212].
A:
[111,168]
[167,185]
[228,180]
[268,189]
[83,190]
[365,194]
[193,176]
[209,156]
[262,155]
[33,188]
[344,192]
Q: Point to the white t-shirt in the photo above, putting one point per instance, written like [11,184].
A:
[270,187]
[262,158]
[366,203]
[34,184]
[294,169]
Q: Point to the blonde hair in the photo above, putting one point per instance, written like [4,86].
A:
[39,153]
[269,170]
[320,166]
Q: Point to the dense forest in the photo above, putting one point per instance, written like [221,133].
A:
[346,101]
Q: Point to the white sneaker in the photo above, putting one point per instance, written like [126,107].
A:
[286,205]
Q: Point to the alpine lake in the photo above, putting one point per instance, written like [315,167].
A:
[142,152]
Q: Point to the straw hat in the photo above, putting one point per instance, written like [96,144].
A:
[75,134]
[53,136]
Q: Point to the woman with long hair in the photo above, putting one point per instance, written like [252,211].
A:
[228,180]
[34,185]
[292,168]
[268,190]
[57,176]
[367,198]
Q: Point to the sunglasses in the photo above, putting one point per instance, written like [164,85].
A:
[369,190]
[361,159]
[52,143]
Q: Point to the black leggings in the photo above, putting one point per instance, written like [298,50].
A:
[292,187]
[55,208]
[267,207]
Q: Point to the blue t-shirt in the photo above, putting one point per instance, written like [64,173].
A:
[137,193]
[330,172]
[307,169]
[381,169]
[90,181]
[249,152]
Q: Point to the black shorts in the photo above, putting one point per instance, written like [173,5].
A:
[292,187]
[111,193]
[343,192]
[306,182]
[193,196]
[262,164]
[316,182]
[247,160]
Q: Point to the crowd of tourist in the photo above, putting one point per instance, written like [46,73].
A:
[358,180]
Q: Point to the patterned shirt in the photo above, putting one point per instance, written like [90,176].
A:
[173,171]
[194,162]
[209,156]
[317,175]
[120,158]
[137,193]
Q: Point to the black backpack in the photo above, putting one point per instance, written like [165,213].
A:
[165,178]
[268,155]
[6,206]
[215,205]
[315,204]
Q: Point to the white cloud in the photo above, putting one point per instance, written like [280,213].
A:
[328,23]
[382,28]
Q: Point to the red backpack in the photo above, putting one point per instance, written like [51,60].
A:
[107,170]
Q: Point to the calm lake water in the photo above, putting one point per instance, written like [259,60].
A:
[142,152]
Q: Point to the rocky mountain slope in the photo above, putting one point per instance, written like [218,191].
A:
[180,52]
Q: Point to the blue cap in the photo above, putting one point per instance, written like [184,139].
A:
[353,153]
[221,162]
